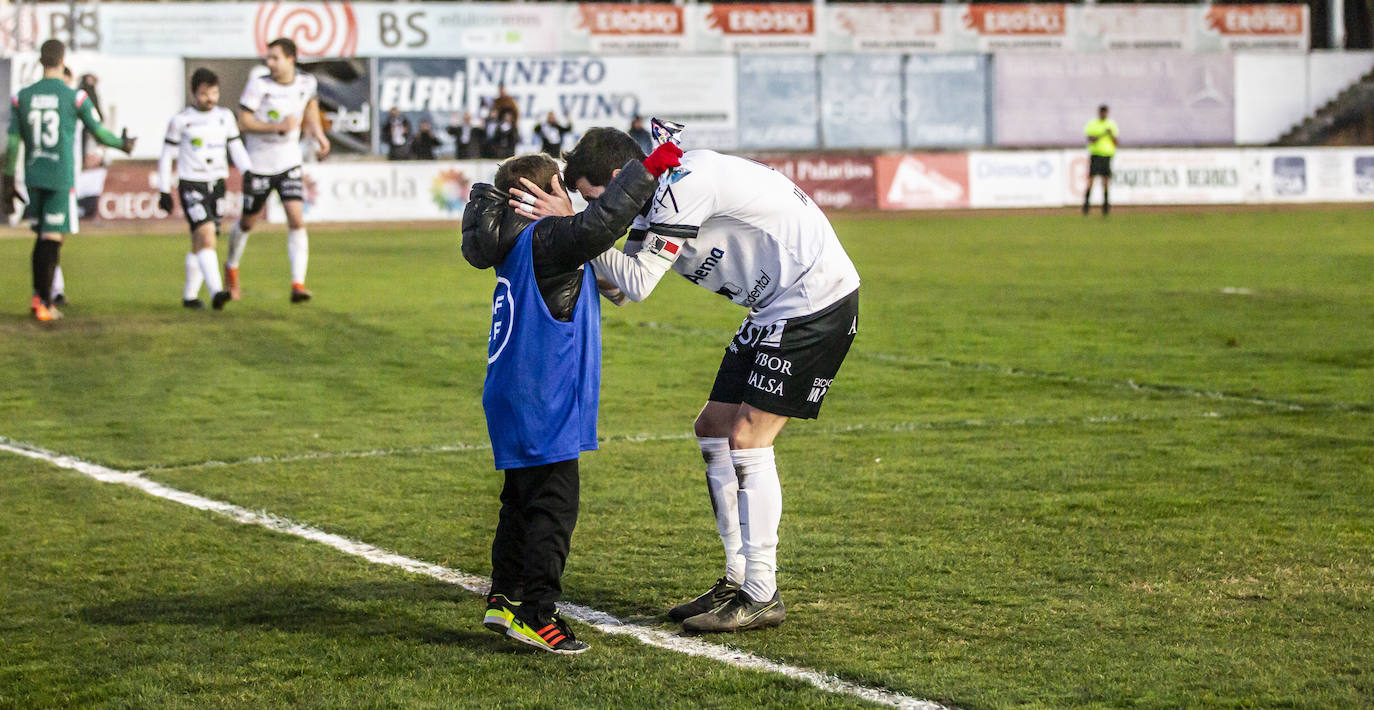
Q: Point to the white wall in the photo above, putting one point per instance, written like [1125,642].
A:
[137,93]
[1271,95]
[1274,92]
[1329,72]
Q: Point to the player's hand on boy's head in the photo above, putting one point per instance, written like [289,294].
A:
[534,203]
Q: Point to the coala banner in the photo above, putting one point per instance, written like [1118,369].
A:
[394,190]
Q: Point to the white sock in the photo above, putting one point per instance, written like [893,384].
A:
[193,277]
[723,485]
[238,241]
[59,285]
[298,251]
[209,266]
[760,511]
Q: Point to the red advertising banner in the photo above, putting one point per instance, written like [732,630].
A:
[1234,28]
[832,181]
[752,27]
[1229,20]
[602,18]
[130,193]
[770,19]
[918,181]
[1016,19]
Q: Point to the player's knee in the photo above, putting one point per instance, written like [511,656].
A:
[744,435]
[712,422]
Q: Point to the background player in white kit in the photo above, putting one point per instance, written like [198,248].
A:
[197,138]
[271,113]
[744,231]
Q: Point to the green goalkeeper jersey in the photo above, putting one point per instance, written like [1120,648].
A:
[44,119]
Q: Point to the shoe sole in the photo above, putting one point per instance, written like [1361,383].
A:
[750,627]
[764,621]
[516,634]
[497,621]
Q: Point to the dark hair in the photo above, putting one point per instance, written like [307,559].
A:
[202,77]
[51,53]
[286,46]
[1103,107]
[538,168]
[600,152]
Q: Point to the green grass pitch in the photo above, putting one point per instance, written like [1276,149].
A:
[1070,463]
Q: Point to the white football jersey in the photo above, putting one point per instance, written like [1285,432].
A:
[743,230]
[202,140]
[270,101]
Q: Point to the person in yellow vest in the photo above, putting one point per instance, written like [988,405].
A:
[1103,137]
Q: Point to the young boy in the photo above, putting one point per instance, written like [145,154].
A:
[543,376]
[197,138]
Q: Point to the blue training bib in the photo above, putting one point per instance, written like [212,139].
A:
[543,382]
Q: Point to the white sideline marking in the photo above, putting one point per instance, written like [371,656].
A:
[599,620]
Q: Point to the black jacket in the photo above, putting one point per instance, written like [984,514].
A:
[562,245]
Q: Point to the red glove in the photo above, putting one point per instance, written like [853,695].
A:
[664,158]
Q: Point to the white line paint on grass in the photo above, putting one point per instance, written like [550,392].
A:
[643,438]
[599,620]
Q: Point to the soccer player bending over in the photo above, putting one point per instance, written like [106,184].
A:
[198,139]
[543,376]
[271,112]
[43,122]
[744,231]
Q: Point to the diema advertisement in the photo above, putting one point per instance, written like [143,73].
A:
[1016,179]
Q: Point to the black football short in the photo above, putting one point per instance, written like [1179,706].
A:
[257,188]
[200,201]
[1100,165]
[786,368]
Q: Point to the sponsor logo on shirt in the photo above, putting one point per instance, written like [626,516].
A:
[707,266]
[818,389]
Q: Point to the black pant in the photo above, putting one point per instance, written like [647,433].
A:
[538,514]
